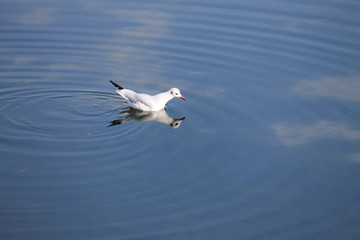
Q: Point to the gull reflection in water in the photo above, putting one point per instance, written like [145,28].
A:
[144,116]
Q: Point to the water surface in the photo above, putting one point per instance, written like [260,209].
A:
[268,149]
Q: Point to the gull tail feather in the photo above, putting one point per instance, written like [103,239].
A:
[116,85]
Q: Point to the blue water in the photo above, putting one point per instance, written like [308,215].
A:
[269,147]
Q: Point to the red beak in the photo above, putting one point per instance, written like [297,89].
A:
[183,98]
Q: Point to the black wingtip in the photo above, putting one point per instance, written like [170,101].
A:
[115,122]
[116,85]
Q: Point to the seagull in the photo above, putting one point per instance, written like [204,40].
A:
[145,102]
[160,116]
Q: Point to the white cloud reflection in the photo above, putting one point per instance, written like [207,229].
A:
[345,88]
[23,60]
[38,16]
[142,29]
[340,88]
[133,46]
[292,135]
[300,25]
[354,157]
[150,24]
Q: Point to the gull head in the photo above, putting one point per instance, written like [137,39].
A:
[176,123]
[176,93]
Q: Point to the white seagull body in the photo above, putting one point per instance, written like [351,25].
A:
[146,102]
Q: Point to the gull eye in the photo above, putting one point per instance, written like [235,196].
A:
[176,93]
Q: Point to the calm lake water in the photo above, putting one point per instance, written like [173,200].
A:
[269,148]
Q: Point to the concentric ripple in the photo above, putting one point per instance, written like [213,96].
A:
[61,116]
